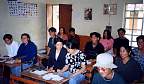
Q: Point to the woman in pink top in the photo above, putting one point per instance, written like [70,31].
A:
[107,40]
[62,34]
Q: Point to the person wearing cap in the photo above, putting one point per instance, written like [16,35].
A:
[128,68]
[106,74]
[93,47]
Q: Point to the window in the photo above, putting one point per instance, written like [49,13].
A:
[134,22]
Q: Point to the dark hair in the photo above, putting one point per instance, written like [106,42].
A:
[25,34]
[52,29]
[128,48]
[58,39]
[108,34]
[72,30]
[96,34]
[63,30]
[8,36]
[72,44]
[121,29]
[140,37]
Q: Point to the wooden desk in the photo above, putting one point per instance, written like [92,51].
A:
[26,73]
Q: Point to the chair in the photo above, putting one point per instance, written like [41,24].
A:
[13,79]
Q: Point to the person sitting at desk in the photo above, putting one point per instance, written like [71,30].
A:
[53,36]
[128,68]
[11,45]
[56,60]
[93,47]
[73,36]
[75,63]
[106,74]
[26,54]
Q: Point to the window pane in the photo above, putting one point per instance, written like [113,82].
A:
[139,7]
[128,37]
[128,32]
[137,24]
[136,32]
[134,44]
[130,7]
[134,38]
[129,13]
[56,17]
[140,14]
[128,24]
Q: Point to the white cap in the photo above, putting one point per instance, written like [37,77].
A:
[105,60]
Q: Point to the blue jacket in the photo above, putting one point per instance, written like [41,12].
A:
[27,52]
[60,62]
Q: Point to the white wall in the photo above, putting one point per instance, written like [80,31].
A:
[36,25]
[16,25]
[99,21]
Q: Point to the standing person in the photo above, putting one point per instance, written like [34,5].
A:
[73,36]
[93,47]
[75,63]
[62,34]
[120,41]
[128,68]
[106,74]
[107,41]
[11,45]
[138,52]
[26,54]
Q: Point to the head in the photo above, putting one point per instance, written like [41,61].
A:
[125,52]
[107,34]
[72,31]
[121,32]
[25,38]
[8,39]
[62,30]
[140,42]
[72,45]
[104,64]
[52,31]
[58,43]
[95,37]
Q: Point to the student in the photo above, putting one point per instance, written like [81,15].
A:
[120,41]
[93,48]
[57,56]
[52,33]
[74,36]
[62,34]
[106,74]
[128,68]
[138,52]
[107,41]
[26,54]
[75,63]
[11,45]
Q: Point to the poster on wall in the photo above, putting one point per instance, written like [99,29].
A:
[88,14]
[110,9]
[19,8]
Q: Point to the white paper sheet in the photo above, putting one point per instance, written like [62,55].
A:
[39,72]
[52,76]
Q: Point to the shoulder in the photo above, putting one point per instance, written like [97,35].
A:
[118,78]
[32,44]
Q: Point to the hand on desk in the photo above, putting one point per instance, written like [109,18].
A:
[50,70]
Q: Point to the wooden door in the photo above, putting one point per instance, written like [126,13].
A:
[65,16]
